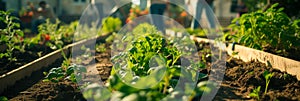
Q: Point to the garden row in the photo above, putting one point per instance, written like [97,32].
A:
[21,55]
[174,69]
[243,80]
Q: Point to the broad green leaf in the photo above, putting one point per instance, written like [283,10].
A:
[3,98]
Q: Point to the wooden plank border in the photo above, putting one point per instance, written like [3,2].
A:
[10,78]
[248,54]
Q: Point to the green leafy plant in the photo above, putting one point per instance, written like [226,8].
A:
[11,36]
[264,29]
[267,75]
[100,48]
[53,35]
[153,59]
[68,71]
[255,93]
[3,98]
[111,24]
[196,32]
[61,73]
[296,24]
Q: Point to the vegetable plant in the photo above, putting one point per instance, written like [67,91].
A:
[149,58]
[68,71]
[61,73]
[52,34]
[11,36]
[153,59]
[265,29]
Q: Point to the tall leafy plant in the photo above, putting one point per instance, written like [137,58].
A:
[11,36]
[265,29]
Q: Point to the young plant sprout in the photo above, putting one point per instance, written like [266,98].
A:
[267,76]
[255,93]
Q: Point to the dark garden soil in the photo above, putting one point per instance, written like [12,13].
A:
[23,58]
[240,79]
[34,89]
[48,91]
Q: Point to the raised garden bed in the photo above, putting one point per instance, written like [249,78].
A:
[240,80]
[30,78]
[22,59]
[248,54]
[33,88]
[10,78]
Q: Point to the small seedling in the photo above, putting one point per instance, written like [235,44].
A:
[267,76]
[100,48]
[60,73]
[286,76]
[255,93]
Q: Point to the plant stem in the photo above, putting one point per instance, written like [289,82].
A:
[166,83]
[63,54]
[267,84]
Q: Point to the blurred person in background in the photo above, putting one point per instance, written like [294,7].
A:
[40,14]
[241,8]
[196,7]
[157,8]
[2,8]
[2,5]
[47,11]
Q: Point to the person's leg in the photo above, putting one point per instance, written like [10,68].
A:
[210,17]
[198,12]
[34,26]
[157,18]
